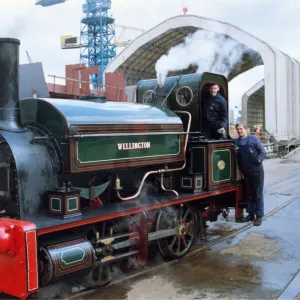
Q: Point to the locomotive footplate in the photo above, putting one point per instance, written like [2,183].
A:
[47,224]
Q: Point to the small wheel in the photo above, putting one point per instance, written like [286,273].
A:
[103,273]
[184,219]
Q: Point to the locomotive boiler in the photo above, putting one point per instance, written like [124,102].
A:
[86,185]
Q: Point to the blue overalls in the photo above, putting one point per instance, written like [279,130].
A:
[254,177]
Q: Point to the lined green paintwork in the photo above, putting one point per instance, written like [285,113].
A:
[72,204]
[56,204]
[217,174]
[70,256]
[106,149]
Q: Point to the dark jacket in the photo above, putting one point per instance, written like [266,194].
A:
[251,153]
[215,112]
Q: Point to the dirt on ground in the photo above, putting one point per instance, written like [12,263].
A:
[277,171]
[255,245]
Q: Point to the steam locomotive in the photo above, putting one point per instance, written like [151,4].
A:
[86,185]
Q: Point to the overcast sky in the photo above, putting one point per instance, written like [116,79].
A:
[39,29]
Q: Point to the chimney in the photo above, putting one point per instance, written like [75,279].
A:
[9,85]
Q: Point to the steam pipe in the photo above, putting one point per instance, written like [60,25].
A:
[9,85]
[160,80]
[141,185]
[162,185]
[161,171]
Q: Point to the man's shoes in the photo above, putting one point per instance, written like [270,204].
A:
[257,221]
[250,217]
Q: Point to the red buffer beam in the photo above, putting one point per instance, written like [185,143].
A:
[18,258]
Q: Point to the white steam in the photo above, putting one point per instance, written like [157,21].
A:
[210,51]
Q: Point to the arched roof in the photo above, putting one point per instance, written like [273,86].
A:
[138,59]
[254,97]
[282,73]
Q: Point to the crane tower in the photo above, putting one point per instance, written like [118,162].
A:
[97,36]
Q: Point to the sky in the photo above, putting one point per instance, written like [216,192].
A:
[276,22]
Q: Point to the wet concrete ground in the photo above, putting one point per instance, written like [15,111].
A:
[259,263]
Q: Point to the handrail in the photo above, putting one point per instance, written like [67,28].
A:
[175,84]
[120,134]
[91,83]
[81,81]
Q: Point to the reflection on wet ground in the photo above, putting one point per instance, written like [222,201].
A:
[258,263]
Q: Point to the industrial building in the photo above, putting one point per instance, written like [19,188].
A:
[277,100]
[253,105]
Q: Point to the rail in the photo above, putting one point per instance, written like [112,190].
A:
[171,90]
[76,136]
[119,89]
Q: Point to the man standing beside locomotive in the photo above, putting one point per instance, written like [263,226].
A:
[250,155]
[215,115]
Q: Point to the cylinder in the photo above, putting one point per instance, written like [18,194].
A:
[9,84]
[66,258]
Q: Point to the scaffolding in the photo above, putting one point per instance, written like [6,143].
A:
[97,37]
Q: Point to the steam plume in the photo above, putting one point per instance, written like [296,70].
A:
[15,22]
[210,51]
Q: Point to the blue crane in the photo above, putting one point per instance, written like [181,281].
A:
[97,35]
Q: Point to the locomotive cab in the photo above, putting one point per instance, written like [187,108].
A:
[204,96]
[211,163]
[182,93]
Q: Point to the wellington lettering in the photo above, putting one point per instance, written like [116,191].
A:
[134,146]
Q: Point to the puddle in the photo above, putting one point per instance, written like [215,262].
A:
[254,244]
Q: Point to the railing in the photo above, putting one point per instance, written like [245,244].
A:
[118,89]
